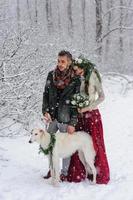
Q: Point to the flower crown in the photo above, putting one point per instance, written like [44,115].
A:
[82,62]
[78,60]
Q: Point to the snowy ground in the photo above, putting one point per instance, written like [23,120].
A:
[22,168]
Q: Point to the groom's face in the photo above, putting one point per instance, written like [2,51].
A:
[63,62]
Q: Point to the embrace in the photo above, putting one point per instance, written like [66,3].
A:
[71,97]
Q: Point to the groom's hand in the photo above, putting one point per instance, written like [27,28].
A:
[70,129]
[47,117]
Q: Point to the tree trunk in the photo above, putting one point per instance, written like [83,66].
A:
[49,16]
[107,45]
[83,21]
[18,15]
[36,12]
[99,26]
[70,22]
[29,12]
[120,25]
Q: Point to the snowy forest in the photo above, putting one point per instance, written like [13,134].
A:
[32,32]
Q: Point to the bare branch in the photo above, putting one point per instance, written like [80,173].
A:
[114,29]
[117,7]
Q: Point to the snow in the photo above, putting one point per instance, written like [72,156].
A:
[22,168]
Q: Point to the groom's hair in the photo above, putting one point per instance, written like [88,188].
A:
[65,53]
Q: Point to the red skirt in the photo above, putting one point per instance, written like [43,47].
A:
[91,123]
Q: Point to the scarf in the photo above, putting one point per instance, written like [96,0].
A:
[62,78]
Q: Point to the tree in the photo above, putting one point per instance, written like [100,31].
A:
[99,25]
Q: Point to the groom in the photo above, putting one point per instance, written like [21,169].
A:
[61,85]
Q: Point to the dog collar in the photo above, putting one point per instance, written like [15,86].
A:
[49,150]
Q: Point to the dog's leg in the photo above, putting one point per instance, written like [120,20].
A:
[90,164]
[56,179]
[94,172]
[52,175]
[48,156]
[52,170]
[82,159]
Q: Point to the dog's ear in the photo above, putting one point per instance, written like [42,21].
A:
[41,131]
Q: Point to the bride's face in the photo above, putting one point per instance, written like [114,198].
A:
[78,71]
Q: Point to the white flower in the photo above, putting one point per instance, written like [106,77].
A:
[87,103]
[74,96]
[80,105]
[78,60]
[78,97]
[73,102]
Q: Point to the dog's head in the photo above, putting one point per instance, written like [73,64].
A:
[36,135]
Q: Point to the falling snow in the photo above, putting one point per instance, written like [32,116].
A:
[22,168]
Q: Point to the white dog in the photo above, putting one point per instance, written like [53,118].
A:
[65,145]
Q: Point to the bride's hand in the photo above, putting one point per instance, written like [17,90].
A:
[79,110]
[82,110]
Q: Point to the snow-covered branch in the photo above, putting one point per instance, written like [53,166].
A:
[115,29]
[116,7]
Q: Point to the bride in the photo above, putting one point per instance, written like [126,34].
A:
[89,120]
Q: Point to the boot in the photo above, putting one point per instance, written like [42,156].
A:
[90,177]
[48,175]
[63,177]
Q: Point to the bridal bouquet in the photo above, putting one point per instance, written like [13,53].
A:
[80,101]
